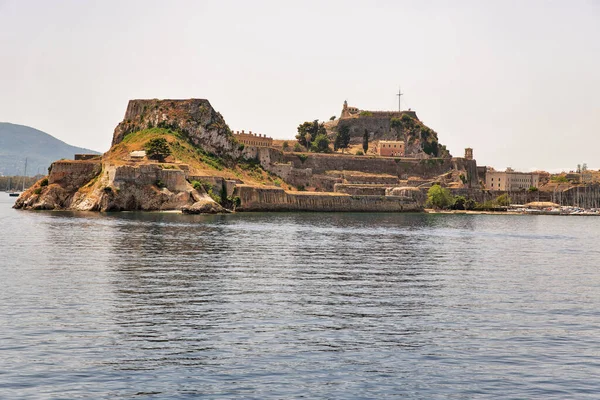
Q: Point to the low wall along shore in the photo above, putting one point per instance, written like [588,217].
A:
[254,198]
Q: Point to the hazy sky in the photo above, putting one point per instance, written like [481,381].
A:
[519,81]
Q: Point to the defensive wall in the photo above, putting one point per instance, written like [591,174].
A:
[73,174]
[253,198]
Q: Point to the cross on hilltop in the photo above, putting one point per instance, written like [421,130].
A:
[399,94]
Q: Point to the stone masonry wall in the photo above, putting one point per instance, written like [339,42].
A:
[276,199]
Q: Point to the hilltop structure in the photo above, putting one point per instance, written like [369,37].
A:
[353,112]
[419,141]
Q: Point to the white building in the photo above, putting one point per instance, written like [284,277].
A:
[511,180]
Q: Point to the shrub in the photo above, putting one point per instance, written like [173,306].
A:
[359,153]
[470,204]
[321,144]
[277,182]
[532,189]
[302,157]
[297,147]
[366,114]
[459,203]
[241,147]
[159,184]
[463,178]
[439,197]
[38,190]
[503,200]
[44,182]
[285,146]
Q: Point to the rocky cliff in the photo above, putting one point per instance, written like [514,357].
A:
[194,118]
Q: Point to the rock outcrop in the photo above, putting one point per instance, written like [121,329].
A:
[194,118]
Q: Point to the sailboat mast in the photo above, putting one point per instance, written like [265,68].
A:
[24,175]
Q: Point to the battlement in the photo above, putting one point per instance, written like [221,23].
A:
[355,112]
[253,139]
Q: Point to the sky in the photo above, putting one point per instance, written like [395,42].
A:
[518,81]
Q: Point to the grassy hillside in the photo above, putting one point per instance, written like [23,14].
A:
[18,142]
[199,161]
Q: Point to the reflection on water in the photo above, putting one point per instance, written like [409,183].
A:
[298,305]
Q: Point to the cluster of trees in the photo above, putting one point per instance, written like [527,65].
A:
[313,136]
[441,198]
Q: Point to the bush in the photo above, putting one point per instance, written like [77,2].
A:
[297,147]
[38,190]
[159,184]
[285,146]
[439,197]
[241,147]
[302,157]
[470,204]
[503,200]
[533,189]
[44,182]
[321,144]
[277,182]
[359,153]
[459,203]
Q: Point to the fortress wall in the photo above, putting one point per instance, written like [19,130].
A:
[255,198]
[148,174]
[361,190]
[377,126]
[401,167]
[73,174]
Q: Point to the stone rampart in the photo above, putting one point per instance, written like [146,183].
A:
[255,198]
[361,190]
[400,167]
[147,174]
[73,174]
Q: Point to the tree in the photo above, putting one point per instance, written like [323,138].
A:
[342,138]
[157,149]
[503,200]
[439,197]
[321,144]
[308,131]
[366,141]
[332,118]
[285,146]
[459,203]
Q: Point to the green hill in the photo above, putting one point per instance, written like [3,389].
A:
[18,142]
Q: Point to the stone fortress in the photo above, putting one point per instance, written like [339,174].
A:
[353,112]
[313,181]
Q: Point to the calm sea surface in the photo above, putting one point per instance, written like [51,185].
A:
[298,305]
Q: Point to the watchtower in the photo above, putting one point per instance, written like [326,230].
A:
[469,153]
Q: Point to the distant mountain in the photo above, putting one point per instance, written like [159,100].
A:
[18,142]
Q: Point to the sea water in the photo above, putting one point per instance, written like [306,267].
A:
[298,305]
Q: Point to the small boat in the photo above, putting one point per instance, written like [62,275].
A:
[17,194]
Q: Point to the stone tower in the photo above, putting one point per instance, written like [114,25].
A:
[469,153]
